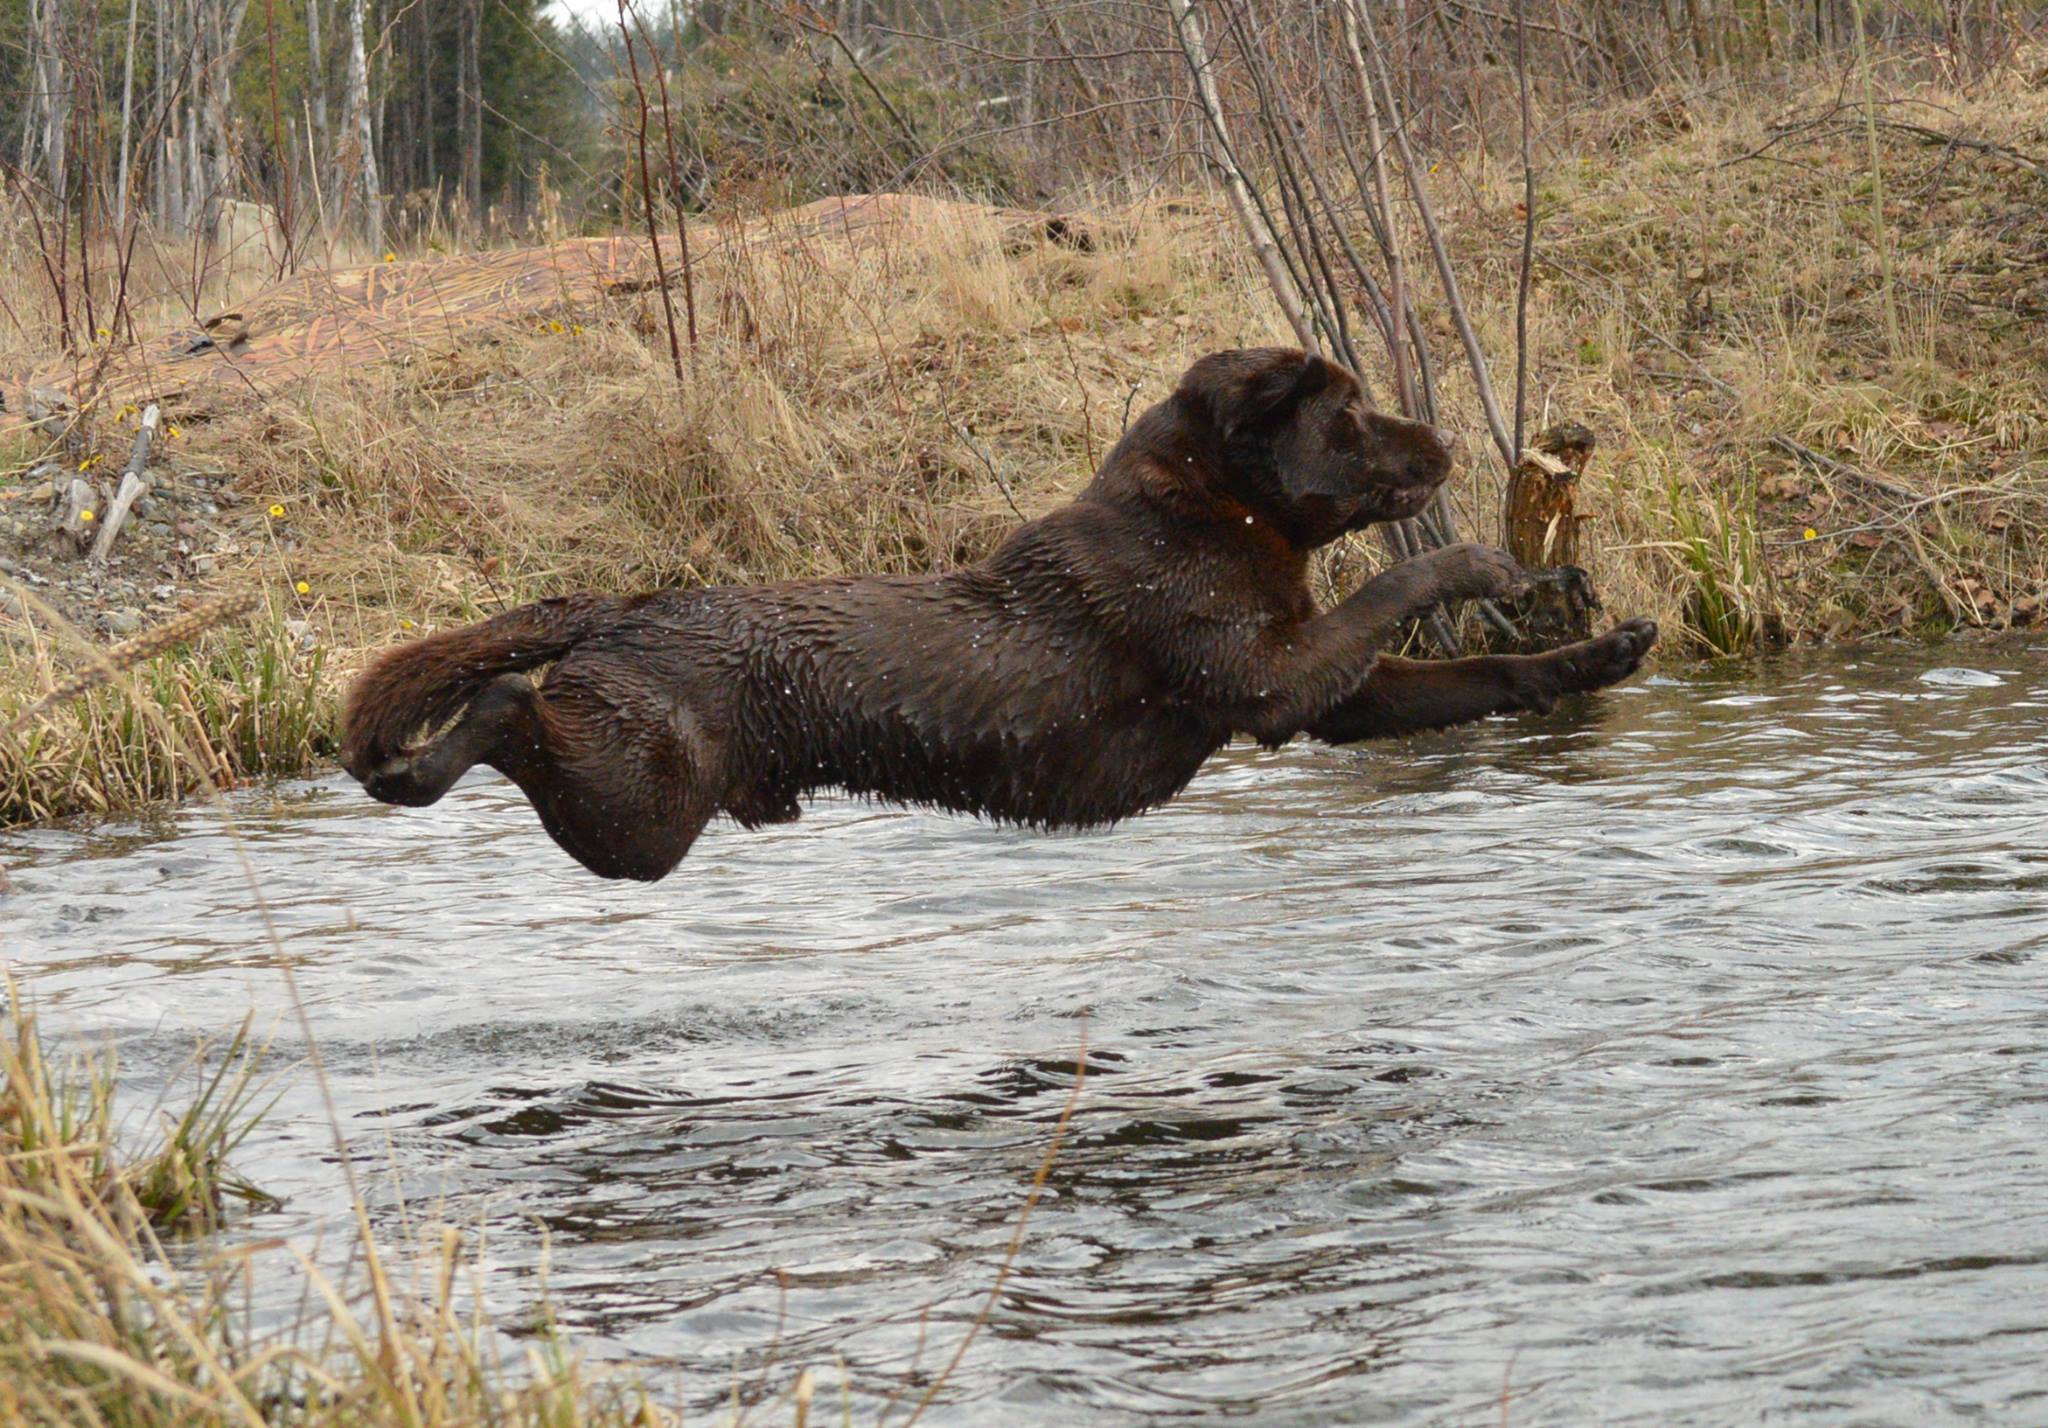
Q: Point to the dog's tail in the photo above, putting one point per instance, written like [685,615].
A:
[429,681]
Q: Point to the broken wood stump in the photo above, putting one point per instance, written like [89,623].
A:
[1543,520]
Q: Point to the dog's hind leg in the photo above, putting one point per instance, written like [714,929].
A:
[421,777]
[621,786]
[624,777]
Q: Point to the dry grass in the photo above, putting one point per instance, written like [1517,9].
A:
[237,703]
[1709,289]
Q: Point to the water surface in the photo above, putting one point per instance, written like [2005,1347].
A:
[1681,1058]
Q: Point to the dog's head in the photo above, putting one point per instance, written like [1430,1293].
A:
[1295,438]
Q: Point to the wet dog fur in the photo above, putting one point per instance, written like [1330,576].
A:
[1080,674]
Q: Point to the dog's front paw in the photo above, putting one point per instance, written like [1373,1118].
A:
[1470,571]
[1605,659]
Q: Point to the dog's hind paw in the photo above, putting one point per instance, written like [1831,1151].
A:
[396,780]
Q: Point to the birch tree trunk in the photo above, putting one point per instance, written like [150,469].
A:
[360,137]
[470,109]
[316,83]
[127,113]
[162,173]
[53,94]
[190,200]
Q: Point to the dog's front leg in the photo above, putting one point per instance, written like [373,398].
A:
[1306,670]
[1466,571]
[1406,696]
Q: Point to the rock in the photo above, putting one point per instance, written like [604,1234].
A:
[124,622]
[159,530]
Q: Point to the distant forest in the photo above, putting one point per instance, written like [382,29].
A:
[398,118]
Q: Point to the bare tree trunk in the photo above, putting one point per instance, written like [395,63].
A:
[127,115]
[53,94]
[316,82]
[358,93]
[220,21]
[470,107]
[164,173]
[190,199]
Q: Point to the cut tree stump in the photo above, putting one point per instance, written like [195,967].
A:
[1543,520]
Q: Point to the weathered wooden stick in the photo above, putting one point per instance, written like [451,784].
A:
[1543,534]
[135,484]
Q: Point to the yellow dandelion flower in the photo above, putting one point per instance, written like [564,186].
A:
[390,257]
[173,429]
[303,588]
[104,333]
[85,515]
[554,327]
[405,624]
[576,328]
[1811,534]
[277,513]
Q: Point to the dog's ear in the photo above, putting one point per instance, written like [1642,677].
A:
[1270,399]
[1238,393]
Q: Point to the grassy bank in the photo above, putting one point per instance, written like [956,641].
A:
[1812,343]
[238,702]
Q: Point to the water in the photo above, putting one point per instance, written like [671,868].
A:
[1681,1059]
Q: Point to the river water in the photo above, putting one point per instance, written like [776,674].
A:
[1679,1058]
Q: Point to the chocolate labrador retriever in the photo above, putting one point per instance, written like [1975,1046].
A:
[1080,674]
